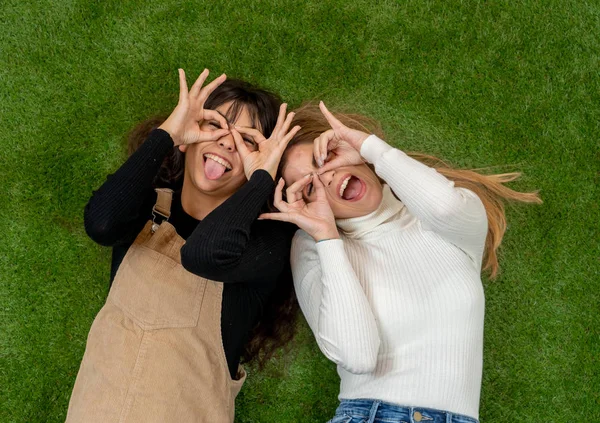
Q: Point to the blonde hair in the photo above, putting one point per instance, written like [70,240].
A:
[489,188]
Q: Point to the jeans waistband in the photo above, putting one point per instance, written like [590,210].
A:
[379,411]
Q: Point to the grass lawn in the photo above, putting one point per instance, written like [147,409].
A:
[482,84]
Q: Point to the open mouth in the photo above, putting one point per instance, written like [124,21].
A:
[351,188]
[215,166]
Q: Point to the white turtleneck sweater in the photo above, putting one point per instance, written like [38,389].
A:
[397,303]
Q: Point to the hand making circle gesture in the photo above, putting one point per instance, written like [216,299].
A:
[269,151]
[315,218]
[184,122]
[340,146]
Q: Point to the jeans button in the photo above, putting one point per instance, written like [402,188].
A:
[417,416]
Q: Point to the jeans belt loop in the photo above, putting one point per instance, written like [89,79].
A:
[373,411]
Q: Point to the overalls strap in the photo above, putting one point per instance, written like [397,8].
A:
[162,208]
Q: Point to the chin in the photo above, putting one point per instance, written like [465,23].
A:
[227,188]
[219,186]
[366,202]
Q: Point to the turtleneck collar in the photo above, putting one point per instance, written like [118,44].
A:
[357,226]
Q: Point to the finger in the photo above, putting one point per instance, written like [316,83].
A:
[278,202]
[240,144]
[195,91]
[320,146]
[212,135]
[284,142]
[282,217]
[183,89]
[294,191]
[280,118]
[317,151]
[319,188]
[334,163]
[207,90]
[286,125]
[254,133]
[333,121]
[214,115]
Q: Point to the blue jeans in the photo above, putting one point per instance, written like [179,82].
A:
[372,411]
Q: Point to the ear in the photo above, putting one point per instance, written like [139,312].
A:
[183,147]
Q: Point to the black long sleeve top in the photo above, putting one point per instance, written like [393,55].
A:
[229,245]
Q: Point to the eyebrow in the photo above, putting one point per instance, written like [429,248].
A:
[229,123]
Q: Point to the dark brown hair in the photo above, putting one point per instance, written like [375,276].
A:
[277,325]
[262,106]
[490,188]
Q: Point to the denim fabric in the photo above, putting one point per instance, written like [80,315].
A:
[372,411]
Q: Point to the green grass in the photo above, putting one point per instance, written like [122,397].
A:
[479,83]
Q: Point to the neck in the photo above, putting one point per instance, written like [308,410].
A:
[196,203]
[389,208]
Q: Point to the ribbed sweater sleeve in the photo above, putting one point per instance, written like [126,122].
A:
[117,210]
[231,245]
[334,303]
[456,214]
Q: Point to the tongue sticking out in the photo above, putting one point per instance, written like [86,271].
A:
[352,189]
[213,170]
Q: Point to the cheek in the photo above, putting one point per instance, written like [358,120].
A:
[239,179]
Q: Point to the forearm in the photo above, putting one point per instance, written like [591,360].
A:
[426,193]
[337,308]
[224,246]
[117,205]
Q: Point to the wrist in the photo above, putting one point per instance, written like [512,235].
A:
[328,235]
[253,170]
[359,141]
[174,136]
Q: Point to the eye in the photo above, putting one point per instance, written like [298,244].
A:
[251,144]
[309,189]
[214,124]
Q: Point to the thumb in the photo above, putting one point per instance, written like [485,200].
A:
[334,163]
[212,135]
[319,188]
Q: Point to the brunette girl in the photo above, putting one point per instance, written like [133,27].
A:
[194,272]
[387,267]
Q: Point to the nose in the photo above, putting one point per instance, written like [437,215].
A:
[227,143]
[327,177]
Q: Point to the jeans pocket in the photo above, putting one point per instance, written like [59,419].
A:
[155,291]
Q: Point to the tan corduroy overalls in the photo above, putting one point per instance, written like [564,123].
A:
[154,352]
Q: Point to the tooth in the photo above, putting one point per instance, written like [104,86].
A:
[218,160]
[344,185]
